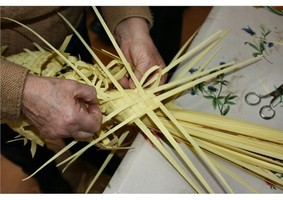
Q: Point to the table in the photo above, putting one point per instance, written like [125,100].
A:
[144,170]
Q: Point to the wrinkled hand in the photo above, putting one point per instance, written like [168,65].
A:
[132,34]
[61,108]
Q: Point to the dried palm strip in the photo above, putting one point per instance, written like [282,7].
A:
[51,47]
[213,40]
[67,148]
[167,155]
[233,175]
[74,156]
[76,70]
[237,151]
[148,109]
[247,157]
[230,129]
[184,47]
[196,60]
[135,118]
[99,62]
[192,142]
[188,79]
[58,154]
[41,57]
[107,160]
[105,136]
[225,170]
[234,154]
[87,81]
[260,171]
[25,129]
[228,136]
[200,55]
[67,61]
[229,139]
[228,124]
[204,65]
[141,92]
[210,76]
[118,50]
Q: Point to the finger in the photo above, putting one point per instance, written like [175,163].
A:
[83,135]
[86,130]
[94,109]
[90,120]
[124,82]
[87,122]
[87,94]
[138,74]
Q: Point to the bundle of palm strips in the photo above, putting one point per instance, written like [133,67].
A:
[254,148]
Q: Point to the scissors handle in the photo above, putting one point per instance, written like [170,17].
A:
[253,98]
[267,112]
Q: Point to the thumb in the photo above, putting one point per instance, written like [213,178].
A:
[87,94]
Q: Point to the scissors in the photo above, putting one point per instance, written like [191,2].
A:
[267,111]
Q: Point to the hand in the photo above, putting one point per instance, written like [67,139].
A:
[132,34]
[61,108]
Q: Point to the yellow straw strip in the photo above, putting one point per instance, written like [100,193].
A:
[117,48]
[53,49]
[166,154]
[114,81]
[208,77]
[105,163]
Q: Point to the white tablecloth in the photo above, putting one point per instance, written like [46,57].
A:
[145,170]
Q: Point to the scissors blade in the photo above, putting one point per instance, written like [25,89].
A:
[276,93]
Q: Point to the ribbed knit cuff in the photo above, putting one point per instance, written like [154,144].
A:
[113,15]
[12,78]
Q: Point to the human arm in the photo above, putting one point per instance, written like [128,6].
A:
[14,81]
[58,108]
[61,108]
[130,26]
[132,34]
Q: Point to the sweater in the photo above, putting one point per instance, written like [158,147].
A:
[46,22]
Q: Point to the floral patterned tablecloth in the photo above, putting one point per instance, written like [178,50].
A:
[254,31]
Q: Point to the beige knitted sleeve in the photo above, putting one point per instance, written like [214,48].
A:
[12,78]
[115,14]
